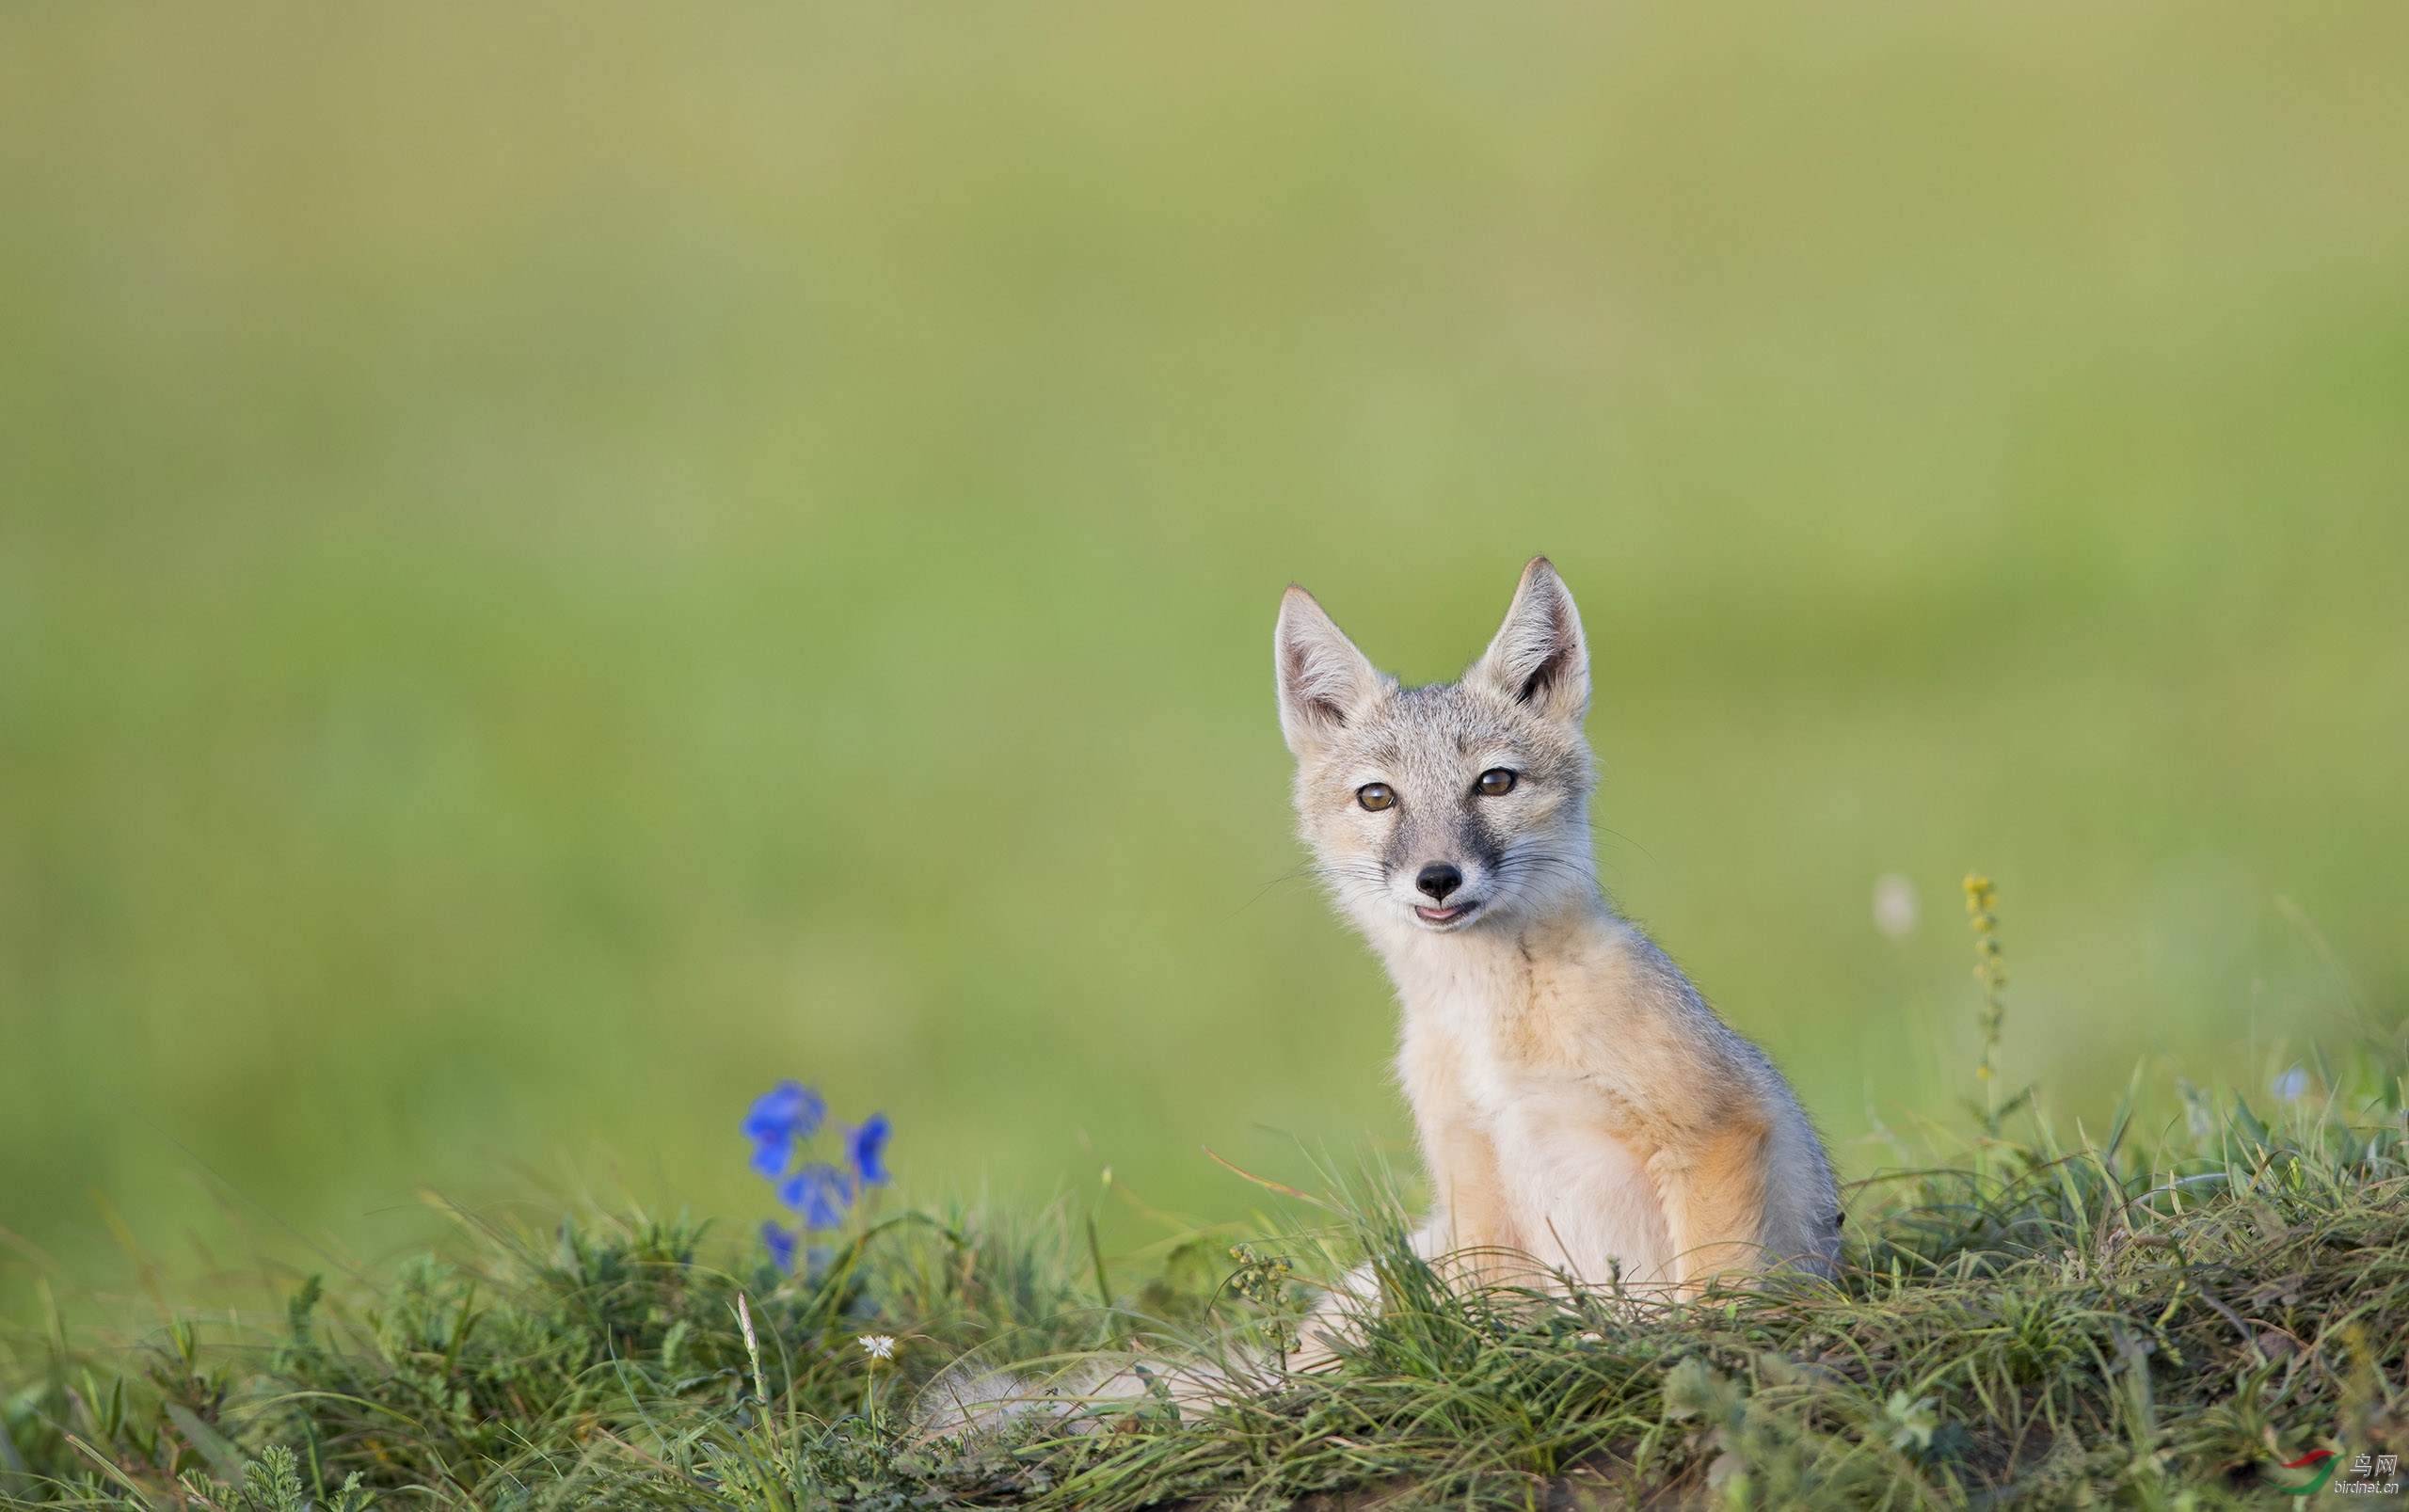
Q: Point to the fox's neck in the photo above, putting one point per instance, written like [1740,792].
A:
[1484,974]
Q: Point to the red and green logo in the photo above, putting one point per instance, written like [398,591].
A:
[2319,1460]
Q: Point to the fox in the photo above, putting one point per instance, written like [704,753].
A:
[1581,1111]
[1579,1108]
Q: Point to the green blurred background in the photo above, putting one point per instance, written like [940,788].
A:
[559,563]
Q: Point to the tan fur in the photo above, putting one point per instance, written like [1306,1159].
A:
[1578,1105]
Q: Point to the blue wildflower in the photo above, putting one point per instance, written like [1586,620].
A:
[867,1148]
[781,1246]
[818,1194]
[786,1113]
[2292,1085]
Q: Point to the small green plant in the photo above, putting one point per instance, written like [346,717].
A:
[272,1483]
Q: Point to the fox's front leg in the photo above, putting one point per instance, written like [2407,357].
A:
[1470,1215]
[1712,1191]
[1469,1212]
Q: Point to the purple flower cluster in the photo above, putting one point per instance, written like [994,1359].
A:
[781,1124]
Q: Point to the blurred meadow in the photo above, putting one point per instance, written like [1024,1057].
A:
[561,563]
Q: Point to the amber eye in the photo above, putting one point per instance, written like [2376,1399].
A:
[1495,782]
[1375,796]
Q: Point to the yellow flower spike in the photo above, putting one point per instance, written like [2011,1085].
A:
[1990,970]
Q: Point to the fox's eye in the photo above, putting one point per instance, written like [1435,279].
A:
[1495,782]
[1375,796]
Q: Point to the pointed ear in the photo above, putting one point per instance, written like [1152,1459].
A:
[1538,658]
[1325,683]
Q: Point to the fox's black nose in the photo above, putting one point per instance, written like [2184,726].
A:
[1438,879]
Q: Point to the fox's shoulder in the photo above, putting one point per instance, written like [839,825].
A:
[1606,996]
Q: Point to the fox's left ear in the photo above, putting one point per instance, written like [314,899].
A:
[1538,658]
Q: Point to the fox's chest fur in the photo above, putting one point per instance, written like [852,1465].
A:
[1527,1062]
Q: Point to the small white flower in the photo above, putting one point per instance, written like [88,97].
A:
[878,1346]
[1895,904]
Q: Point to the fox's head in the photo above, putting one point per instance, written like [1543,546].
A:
[1453,808]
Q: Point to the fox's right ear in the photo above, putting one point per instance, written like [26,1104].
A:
[1325,683]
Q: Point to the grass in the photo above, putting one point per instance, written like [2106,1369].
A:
[2126,1316]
